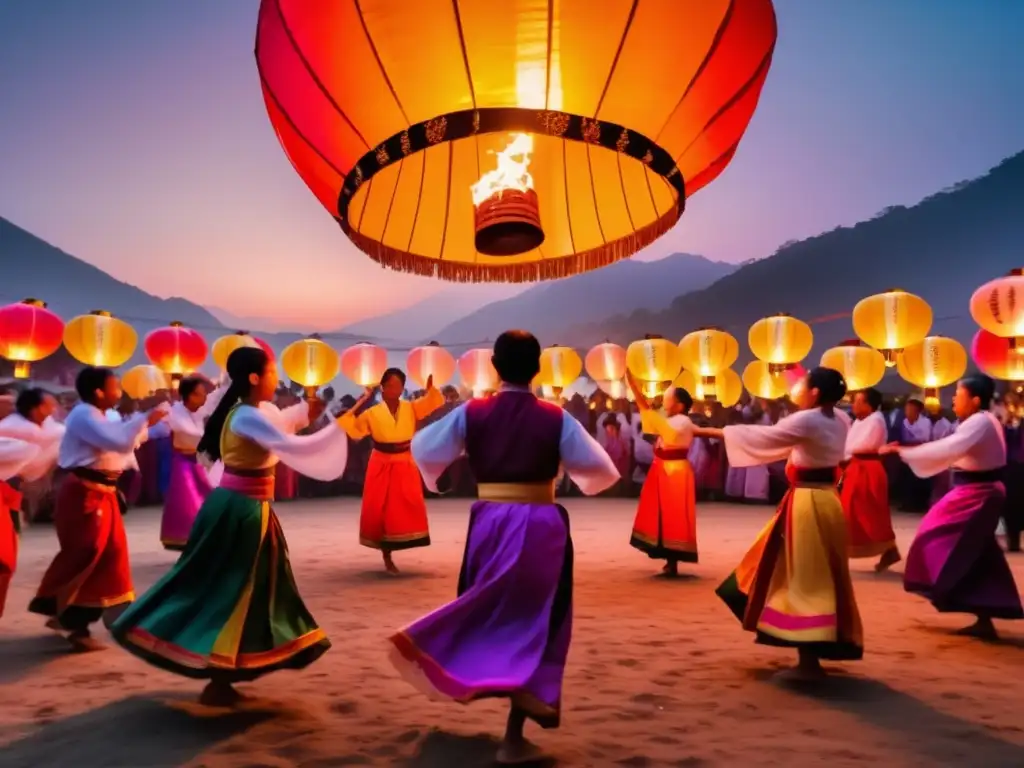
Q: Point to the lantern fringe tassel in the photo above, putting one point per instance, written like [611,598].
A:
[519,272]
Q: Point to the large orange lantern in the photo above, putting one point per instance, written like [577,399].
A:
[861,366]
[225,345]
[29,332]
[143,381]
[310,362]
[934,363]
[489,141]
[559,368]
[761,382]
[428,361]
[892,321]
[997,356]
[654,362]
[175,349]
[705,352]
[100,339]
[727,388]
[780,340]
[606,362]
[998,307]
[477,372]
[364,363]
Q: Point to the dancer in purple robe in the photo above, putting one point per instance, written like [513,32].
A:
[507,633]
[955,560]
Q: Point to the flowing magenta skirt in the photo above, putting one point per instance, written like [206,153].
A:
[187,489]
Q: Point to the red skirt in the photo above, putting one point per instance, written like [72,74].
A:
[91,570]
[10,505]
[394,513]
[865,497]
[666,518]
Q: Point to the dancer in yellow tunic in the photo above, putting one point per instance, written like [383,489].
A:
[394,513]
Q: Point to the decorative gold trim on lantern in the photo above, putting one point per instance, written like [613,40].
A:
[436,129]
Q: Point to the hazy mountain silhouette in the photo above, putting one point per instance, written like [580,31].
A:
[547,309]
[942,249]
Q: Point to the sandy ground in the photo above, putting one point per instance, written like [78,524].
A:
[660,674]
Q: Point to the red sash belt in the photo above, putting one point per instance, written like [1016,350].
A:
[671,454]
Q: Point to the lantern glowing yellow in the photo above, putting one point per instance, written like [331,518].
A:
[861,366]
[100,339]
[704,353]
[225,345]
[654,362]
[780,340]
[364,363]
[727,388]
[477,371]
[144,381]
[310,363]
[512,142]
[998,307]
[761,382]
[606,362]
[934,363]
[559,368]
[617,389]
[892,321]
[430,360]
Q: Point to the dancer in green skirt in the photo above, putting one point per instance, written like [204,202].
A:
[229,610]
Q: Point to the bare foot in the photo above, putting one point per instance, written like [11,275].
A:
[982,629]
[82,642]
[671,568]
[389,564]
[519,752]
[222,695]
[888,559]
[55,625]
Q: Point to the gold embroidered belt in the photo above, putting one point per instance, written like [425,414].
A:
[519,493]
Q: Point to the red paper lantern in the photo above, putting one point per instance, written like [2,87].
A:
[364,363]
[28,333]
[430,360]
[175,349]
[998,356]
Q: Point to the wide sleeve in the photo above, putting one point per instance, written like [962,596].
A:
[320,456]
[357,426]
[181,422]
[750,445]
[158,430]
[212,401]
[431,400]
[930,459]
[15,456]
[289,420]
[439,444]
[112,436]
[46,458]
[583,458]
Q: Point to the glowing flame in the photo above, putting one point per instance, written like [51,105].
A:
[512,171]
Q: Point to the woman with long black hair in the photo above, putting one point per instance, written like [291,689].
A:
[229,610]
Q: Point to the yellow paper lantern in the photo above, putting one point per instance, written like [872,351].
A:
[364,363]
[477,371]
[726,387]
[615,388]
[761,382]
[225,345]
[310,363]
[707,351]
[606,362]
[430,360]
[144,381]
[780,340]
[512,142]
[934,363]
[998,307]
[559,368]
[100,339]
[860,365]
[892,321]
[654,362]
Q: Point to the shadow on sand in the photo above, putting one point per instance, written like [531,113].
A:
[172,736]
[440,749]
[21,655]
[934,735]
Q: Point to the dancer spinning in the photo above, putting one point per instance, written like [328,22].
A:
[91,572]
[507,634]
[394,513]
[864,487]
[793,587]
[666,518]
[189,483]
[229,609]
[955,560]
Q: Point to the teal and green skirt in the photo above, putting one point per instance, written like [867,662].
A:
[229,608]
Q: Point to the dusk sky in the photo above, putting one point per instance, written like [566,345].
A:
[133,135]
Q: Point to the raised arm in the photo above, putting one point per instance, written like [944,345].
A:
[439,444]
[428,402]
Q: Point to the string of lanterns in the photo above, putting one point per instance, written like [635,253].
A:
[892,329]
